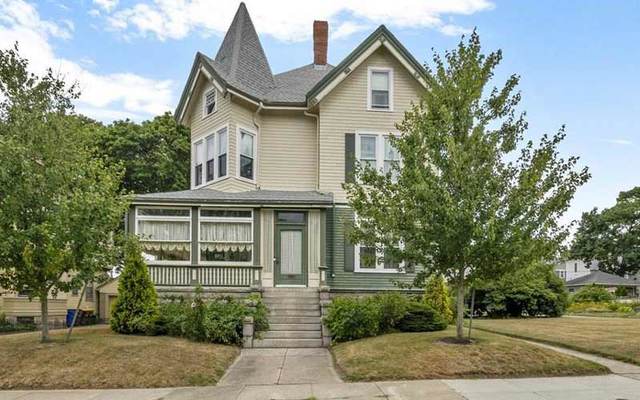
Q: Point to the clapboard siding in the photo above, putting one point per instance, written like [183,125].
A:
[344,110]
[339,279]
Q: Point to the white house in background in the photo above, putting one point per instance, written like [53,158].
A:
[572,269]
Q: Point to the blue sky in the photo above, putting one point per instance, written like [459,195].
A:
[578,59]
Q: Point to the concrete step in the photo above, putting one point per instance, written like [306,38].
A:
[273,301]
[290,293]
[294,313]
[279,343]
[298,307]
[292,335]
[277,319]
[295,327]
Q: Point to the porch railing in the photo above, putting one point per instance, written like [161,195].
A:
[220,276]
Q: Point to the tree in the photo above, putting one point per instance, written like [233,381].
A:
[155,153]
[136,308]
[469,199]
[436,295]
[611,236]
[58,203]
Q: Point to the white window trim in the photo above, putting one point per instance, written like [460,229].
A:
[203,139]
[253,133]
[379,146]
[223,219]
[165,218]
[204,102]
[379,269]
[389,70]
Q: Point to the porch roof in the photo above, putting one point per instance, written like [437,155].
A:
[603,279]
[211,196]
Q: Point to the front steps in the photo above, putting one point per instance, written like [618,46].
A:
[294,318]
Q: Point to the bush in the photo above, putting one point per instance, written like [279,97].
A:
[421,317]
[622,291]
[261,313]
[353,318]
[437,296]
[592,293]
[532,291]
[391,308]
[172,318]
[136,307]
[602,307]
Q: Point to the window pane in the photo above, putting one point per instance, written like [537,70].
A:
[166,251]
[210,164]
[226,232]
[222,141]
[164,212]
[246,144]
[246,167]
[390,152]
[199,147]
[379,99]
[230,254]
[380,80]
[210,102]
[291,217]
[210,148]
[198,177]
[368,147]
[390,263]
[225,213]
[164,230]
[222,165]
[367,257]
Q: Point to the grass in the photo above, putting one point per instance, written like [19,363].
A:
[97,358]
[616,338]
[399,356]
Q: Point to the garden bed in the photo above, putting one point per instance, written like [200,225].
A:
[97,358]
[400,356]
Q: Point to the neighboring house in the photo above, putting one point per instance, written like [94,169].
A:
[609,281]
[572,269]
[270,153]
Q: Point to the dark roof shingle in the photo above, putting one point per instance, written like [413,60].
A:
[602,278]
[249,197]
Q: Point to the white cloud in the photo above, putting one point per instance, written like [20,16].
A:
[288,20]
[107,5]
[126,93]
[622,142]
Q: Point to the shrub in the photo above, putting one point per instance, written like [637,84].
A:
[261,313]
[136,307]
[622,291]
[421,317]
[353,318]
[592,293]
[172,318]
[391,308]
[437,296]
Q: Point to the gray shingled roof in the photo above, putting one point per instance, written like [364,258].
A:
[602,278]
[248,197]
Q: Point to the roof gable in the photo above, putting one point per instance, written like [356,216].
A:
[380,37]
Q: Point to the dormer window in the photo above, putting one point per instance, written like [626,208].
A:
[209,102]
[380,89]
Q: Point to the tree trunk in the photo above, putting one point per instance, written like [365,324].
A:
[460,308]
[473,300]
[75,316]
[44,315]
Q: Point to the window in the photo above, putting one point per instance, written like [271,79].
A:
[226,236]
[209,102]
[197,173]
[165,234]
[247,155]
[380,89]
[88,294]
[369,259]
[74,291]
[212,149]
[376,151]
[575,267]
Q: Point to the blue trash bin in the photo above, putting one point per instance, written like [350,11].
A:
[70,313]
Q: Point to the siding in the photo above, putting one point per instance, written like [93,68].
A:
[337,219]
[22,307]
[344,110]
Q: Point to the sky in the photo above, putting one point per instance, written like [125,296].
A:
[578,60]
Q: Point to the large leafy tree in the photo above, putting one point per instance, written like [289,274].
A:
[58,203]
[612,236]
[155,153]
[470,200]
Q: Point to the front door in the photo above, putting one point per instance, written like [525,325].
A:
[290,261]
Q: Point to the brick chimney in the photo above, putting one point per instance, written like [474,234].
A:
[320,42]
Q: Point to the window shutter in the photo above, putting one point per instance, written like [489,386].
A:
[348,255]
[349,156]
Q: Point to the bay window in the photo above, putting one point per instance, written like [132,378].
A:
[197,168]
[222,152]
[226,236]
[247,154]
[165,234]
[211,152]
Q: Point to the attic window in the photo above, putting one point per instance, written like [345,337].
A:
[380,89]
[209,102]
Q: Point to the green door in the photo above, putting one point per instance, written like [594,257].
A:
[290,249]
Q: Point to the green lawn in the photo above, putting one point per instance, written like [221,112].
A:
[617,338]
[98,358]
[399,356]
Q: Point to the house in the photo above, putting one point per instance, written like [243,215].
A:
[609,281]
[270,152]
[572,269]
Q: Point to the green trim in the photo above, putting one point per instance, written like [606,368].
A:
[323,238]
[256,237]
[382,31]
[303,227]
[195,248]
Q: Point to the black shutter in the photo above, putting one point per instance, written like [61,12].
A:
[349,156]
[348,250]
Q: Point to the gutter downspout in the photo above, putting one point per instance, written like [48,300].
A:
[259,129]
[317,118]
